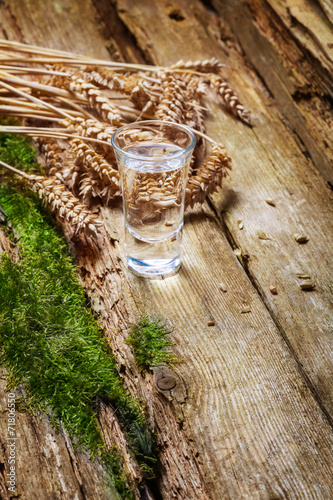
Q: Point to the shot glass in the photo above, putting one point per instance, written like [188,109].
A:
[153,159]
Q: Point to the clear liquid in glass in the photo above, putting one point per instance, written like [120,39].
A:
[154,207]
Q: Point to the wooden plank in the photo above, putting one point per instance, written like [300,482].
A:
[115,296]
[176,457]
[303,204]
[240,402]
[241,423]
[297,78]
[278,170]
[45,464]
[156,39]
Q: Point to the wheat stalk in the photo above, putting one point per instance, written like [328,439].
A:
[34,99]
[50,132]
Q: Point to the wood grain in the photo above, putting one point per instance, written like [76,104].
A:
[297,78]
[249,416]
[303,205]
[46,466]
[268,163]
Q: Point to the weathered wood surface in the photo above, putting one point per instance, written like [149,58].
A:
[251,413]
[47,462]
[288,44]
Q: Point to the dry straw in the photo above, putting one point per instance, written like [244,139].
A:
[82,101]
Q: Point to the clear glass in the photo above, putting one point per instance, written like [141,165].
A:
[153,158]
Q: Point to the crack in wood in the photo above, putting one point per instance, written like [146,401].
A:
[73,462]
[113,17]
[296,23]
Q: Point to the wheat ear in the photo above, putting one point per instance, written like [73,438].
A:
[62,164]
[96,130]
[91,128]
[131,85]
[208,178]
[104,77]
[172,102]
[96,162]
[53,156]
[100,178]
[230,99]
[61,201]
[94,96]
[212,65]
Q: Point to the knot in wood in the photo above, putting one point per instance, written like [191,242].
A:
[165,378]
[166,383]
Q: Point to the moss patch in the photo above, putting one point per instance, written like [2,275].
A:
[50,341]
[17,151]
[150,345]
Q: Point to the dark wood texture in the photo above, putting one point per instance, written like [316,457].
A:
[251,413]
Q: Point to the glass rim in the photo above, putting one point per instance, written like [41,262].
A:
[152,158]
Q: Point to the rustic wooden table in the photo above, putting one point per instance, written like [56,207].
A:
[251,413]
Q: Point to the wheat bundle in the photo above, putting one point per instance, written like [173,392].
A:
[82,101]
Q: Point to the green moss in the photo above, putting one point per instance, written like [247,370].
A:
[113,462]
[50,341]
[17,151]
[150,345]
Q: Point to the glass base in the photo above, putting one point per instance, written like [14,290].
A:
[154,268]
[159,259]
